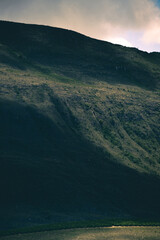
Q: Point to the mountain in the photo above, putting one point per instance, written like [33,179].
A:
[80,129]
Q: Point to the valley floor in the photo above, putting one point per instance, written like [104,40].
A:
[109,233]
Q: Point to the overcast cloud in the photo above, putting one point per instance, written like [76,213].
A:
[129,22]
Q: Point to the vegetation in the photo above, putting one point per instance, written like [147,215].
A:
[84,224]
[79,128]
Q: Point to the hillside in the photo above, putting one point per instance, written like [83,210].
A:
[79,130]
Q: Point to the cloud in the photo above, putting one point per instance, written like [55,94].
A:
[121,41]
[103,19]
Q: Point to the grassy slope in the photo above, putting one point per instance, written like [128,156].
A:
[81,225]
[116,233]
[80,128]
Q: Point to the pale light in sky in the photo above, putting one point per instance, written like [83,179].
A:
[127,22]
[120,40]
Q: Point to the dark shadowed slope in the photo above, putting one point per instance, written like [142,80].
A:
[79,130]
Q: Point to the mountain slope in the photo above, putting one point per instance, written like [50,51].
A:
[75,55]
[79,128]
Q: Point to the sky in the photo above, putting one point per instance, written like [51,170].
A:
[133,23]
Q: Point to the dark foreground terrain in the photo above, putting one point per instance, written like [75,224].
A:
[79,128]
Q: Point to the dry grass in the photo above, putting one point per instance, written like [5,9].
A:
[113,233]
